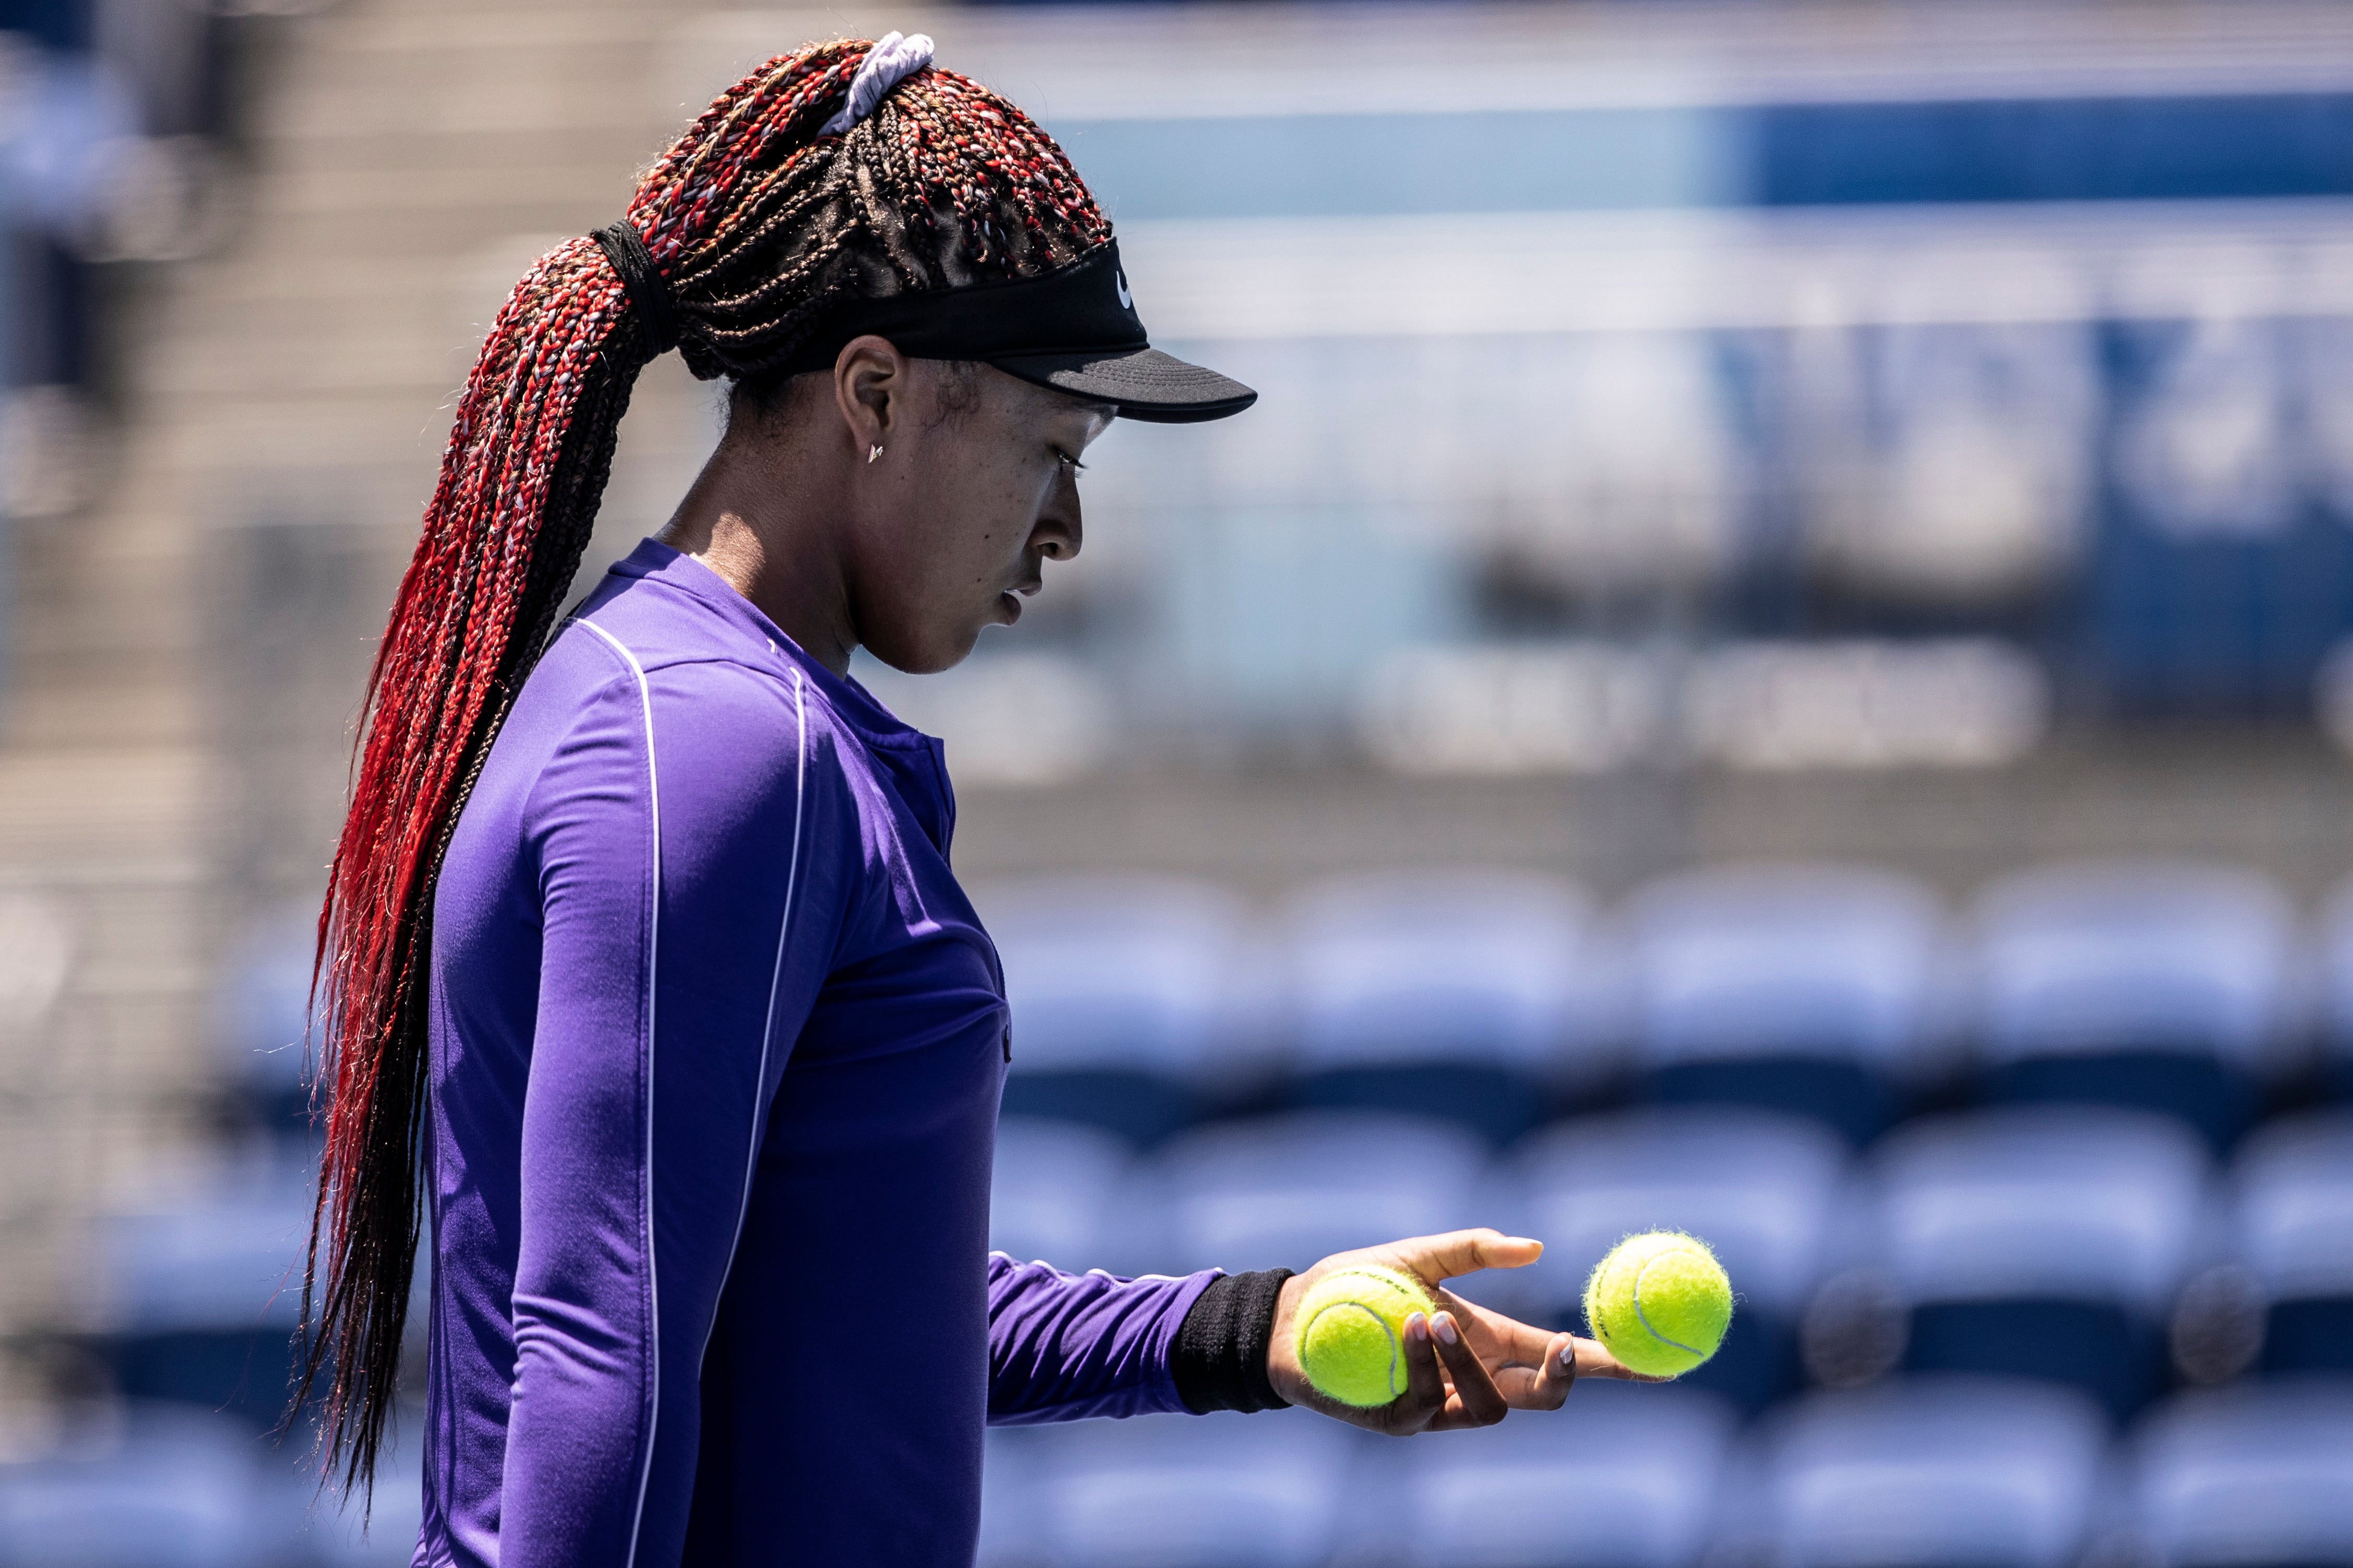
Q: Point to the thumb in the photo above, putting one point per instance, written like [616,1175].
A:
[1461,1252]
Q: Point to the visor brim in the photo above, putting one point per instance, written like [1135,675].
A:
[1142,384]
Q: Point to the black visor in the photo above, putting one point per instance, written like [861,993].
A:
[1074,330]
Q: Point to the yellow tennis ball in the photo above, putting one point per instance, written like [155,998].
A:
[1658,1302]
[1350,1335]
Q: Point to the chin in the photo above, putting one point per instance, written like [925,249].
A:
[928,658]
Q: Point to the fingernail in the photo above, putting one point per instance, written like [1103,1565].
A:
[1569,1358]
[1446,1330]
[1417,1327]
[1524,1241]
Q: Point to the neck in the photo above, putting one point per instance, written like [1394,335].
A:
[763,516]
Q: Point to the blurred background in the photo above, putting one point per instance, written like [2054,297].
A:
[1773,660]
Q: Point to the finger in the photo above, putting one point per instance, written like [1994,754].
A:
[1425,1384]
[1548,1383]
[1477,1401]
[1514,1353]
[1592,1361]
[1498,1339]
[1436,1258]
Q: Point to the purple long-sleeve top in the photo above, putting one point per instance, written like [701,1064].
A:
[717,1047]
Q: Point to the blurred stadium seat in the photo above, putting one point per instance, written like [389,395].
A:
[1989,1472]
[2165,986]
[2253,1476]
[149,1486]
[2044,1241]
[1057,1191]
[1178,1491]
[1800,988]
[2292,1229]
[2334,941]
[1468,995]
[264,1015]
[341,1534]
[202,1297]
[1621,1478]
[1121,990]
[1759,1187]
[1283,1191]
[1010,1536]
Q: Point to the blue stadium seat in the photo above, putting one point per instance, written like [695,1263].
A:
[339,1533]
[2046,1241]
[264,1018]
[1990,1473]
[1799,988]
[2251,1476]
[1759,1187]
[1464,993]
[1181,1491]
[1288,1190]
[1056,1192]
[202,1297]
[1120,990]
[2163,987]
[148,1488]
[2292,1228]
[2335,988]
[1620,1478]
[1012,1535]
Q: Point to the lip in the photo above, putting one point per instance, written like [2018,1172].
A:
[1012,607]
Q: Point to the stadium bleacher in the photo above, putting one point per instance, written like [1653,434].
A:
[2037,1236]
[1804,989]
[2035,1240]
[2165,987]
[1468,995]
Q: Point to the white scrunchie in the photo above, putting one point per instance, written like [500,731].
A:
[892,59]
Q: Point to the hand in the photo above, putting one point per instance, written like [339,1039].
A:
[1465,1366]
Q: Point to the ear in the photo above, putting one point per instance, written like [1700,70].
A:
[872,383]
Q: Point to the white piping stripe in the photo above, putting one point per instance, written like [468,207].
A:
[776,986]
[653,955]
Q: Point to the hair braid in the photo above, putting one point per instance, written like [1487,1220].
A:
[759,226]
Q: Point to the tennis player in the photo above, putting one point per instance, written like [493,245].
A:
[642,951]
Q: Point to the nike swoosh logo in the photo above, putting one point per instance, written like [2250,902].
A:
[1127,302]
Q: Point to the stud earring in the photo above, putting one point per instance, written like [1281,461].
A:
[872,453]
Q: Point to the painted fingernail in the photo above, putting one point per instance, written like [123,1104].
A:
[1417,1327]
[1569,1358]
[1446,1329]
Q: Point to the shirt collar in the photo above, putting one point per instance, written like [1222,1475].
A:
[658,563]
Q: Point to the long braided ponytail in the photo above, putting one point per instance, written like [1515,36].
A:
[759,220]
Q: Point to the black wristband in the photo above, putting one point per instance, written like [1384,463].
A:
[1219,1360]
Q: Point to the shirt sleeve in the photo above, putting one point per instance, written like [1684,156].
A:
[681,832]
[1065,1346]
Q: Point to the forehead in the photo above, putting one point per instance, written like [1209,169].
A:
[1027,400]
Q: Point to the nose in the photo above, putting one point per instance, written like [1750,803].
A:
[1061,528]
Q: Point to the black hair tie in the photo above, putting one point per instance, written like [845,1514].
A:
[649,295]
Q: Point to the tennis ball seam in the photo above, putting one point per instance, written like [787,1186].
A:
[1394,1288]
[1621,1272]
[1396,1348]
[1644,1318]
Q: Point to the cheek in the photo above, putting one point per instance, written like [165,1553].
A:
[985,530]
[969,542]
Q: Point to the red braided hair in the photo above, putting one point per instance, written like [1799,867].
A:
[758,224]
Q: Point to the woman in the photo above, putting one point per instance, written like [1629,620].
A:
[650,920]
